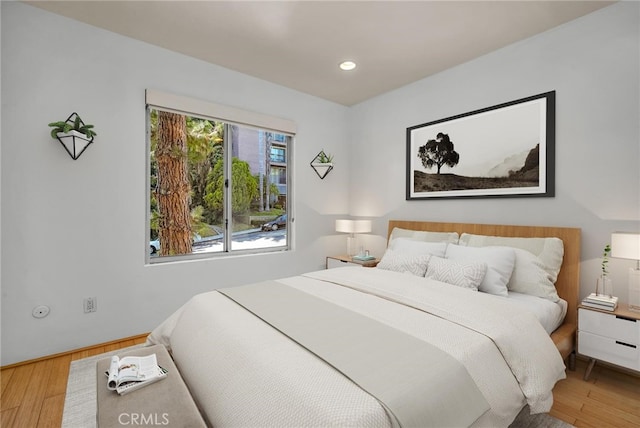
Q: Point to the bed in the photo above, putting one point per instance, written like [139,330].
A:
[568,281]
[478,358]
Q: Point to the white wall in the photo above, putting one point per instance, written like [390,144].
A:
[0,184]
[593,65]
[75,229]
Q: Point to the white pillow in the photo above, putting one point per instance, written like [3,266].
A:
[425,236]
[465,275]
[415,264]
[411,246]
[530,277]
[549,250]
[500,262]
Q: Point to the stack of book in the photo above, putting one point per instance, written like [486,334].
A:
[601,301]
[363,257]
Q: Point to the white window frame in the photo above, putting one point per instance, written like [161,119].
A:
[159,100]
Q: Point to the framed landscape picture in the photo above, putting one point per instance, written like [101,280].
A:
[507,150]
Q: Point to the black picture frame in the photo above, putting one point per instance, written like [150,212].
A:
[503,151]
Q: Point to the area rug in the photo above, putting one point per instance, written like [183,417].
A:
[80,401]
[80,406]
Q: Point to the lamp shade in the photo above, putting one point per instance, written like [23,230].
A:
[625,245]
[353,226]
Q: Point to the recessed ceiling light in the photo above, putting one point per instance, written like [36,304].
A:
[347,65]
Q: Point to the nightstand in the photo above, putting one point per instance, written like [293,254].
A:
[613,337]
[341,261]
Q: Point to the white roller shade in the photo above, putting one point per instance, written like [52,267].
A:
[181,104]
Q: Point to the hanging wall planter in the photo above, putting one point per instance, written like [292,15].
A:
[322,164]
[74,135]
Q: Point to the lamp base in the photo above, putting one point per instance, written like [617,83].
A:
[634,289]
[351,246]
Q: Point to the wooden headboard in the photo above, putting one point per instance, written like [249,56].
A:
[568,283]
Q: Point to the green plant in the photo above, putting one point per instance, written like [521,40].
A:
[605,259]
[324,157]
[72,125]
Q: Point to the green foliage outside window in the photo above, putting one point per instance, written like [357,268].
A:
[244,188]
[205,164]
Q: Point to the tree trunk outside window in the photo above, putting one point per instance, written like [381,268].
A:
[173,188]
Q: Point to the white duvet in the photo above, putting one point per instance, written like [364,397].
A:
[243,373]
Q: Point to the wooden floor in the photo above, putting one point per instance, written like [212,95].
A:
[33,393]
[610,398]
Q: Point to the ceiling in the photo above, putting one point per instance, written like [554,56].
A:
[299,44]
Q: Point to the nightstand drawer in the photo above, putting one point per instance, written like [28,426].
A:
[610,350]
[342,261]
[335,263]
[609,325]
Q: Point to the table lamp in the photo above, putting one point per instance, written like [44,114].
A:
[626,245]
[352,227]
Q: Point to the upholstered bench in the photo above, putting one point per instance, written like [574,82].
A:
[164,403]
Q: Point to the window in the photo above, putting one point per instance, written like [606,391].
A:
[219,180]
[279,178]
[280,138]
[278,154]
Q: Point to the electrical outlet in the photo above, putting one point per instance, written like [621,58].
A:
[90,304]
